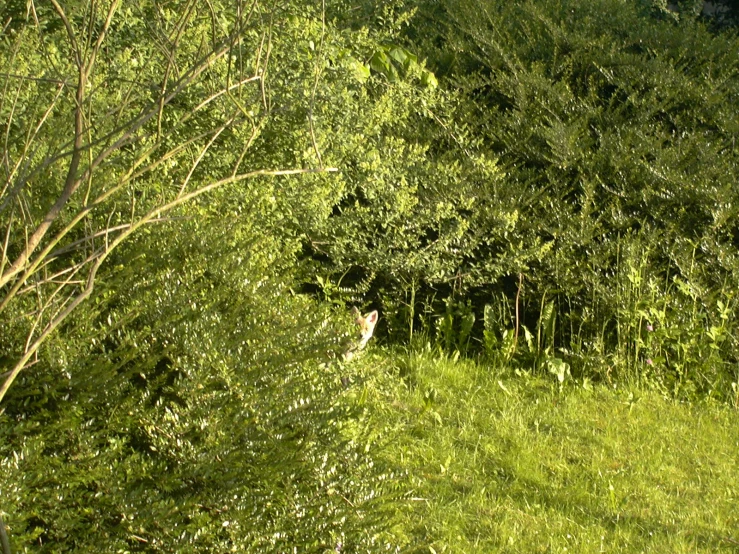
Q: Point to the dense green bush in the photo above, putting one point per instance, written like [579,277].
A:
[193,401]
[570,149]
[619,130]
[552,184]
[201,416]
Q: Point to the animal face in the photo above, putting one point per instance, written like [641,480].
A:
[366,324]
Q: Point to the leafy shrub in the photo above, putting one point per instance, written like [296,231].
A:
[192,403]
[202,415]
[570,143]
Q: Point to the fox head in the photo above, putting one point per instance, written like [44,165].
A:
[366,324]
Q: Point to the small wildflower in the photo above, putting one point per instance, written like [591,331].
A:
[339,546]
[649,327]
[649,361]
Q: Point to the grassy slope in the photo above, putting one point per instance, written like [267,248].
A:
[505,463]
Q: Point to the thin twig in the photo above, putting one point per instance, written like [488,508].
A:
[203,151]
[179,29]
[227,90]
[51,327]
[70,33]
[6,150]
[5,243]
[4,540]
[24,154]
[62,285]
[265,67]
[315,84]
[254,133]
[4,375]
[518,318]
[38,79]
[71,246]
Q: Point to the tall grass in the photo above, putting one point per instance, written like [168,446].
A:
[671,332]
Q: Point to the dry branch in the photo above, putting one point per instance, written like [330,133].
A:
[99,256]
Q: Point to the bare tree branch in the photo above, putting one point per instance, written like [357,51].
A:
[319,61]
[70,33]
[33,246]
[102,253]
[179,29]
[73,245]
[72,181]
[202,153]
[127,131]
[102,34]
[5,243]
[33,348]
[33,266]
[24,157]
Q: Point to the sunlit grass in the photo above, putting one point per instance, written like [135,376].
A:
[509,463]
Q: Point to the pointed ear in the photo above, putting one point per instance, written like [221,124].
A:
[355,311]
[371,317]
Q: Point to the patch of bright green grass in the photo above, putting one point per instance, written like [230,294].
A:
[505,463]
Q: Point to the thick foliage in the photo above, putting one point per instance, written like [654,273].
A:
[583,180]
[622,130]
[563,197]
[194,401]
[197,418]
